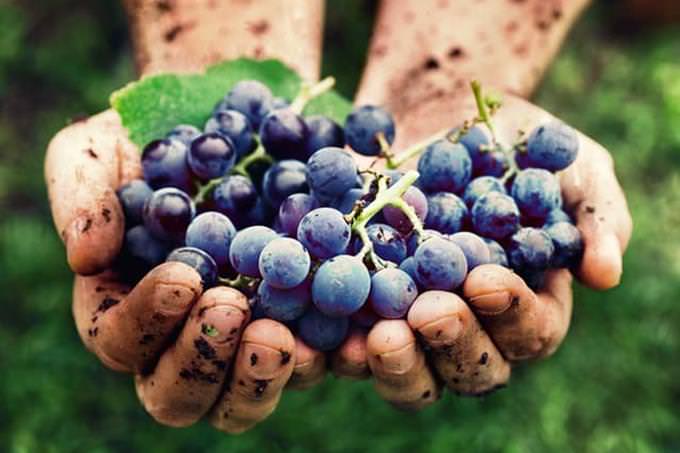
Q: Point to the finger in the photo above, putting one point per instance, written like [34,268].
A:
[593,193]
[309,369]
[461,352]
[190,373]
[129,333]
[521,324]
[263,365]
[85,163]
[398,365]
[350,359]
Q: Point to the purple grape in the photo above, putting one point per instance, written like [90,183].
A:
[164,163]
[396,218]
[293,209]
[168,213]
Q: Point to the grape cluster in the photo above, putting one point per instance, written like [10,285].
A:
[271,202]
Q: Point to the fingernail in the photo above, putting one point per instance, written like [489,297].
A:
[221,324]
[263,362]
[493,303]
[400,361]
[443,330]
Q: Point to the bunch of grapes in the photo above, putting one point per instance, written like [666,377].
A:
[273,203]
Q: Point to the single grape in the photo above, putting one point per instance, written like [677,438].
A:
[364,124]
[365,317]
[392,293]
[530,249]
[481,186]
[568,244]
[409,266]
[413,241]
[346,202]
[283,179]
[234,197]
[142,251]
[331,172]
[495,216]
[292,210]
[324,232]
[340,286]
[284,134]
[440,264]
[199,260]
[246,247]
[211,155]
[556,216]
[212,232]
[322,332]
[474,248]
[235,126]
[284,304]
[132,197]
[553,146]
[444,167]
[284,263]
[388,244]
[446,212]
[164,163]
[167,214]
[474,140]
[323,132]
[184,133]
[496,253]
[536,192]
[413,197]
[250,97]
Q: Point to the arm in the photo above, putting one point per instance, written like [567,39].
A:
[128,328]
[423,56]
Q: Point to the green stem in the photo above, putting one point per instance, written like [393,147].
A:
[395,161]
[241,168]
[384,197]
[309,92]
[241,282]
[205,189]
[482,108]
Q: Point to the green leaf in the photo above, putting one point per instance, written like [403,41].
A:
[153,105]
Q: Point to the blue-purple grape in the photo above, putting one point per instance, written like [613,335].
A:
[440,264]
[292,210]
[168,213]
[323,132]
[446,213]
[211,155]
[392,293]
[363,125]
[283,179]
[132,197]
[250,97]
[474,248]
[212,232]
[536,192]
[246,247]
[284,305]
[164,163]
[284,263]
[340,286]
[322,332]
[324,232]
[331,172]
[444,167]
[495,216]
[199,260]
[236,127]
[553,146]
[284,135]
[395,217]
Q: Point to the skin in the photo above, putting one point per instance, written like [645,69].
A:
[235,376]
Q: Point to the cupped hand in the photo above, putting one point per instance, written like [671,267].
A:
[193,353]
[468,342]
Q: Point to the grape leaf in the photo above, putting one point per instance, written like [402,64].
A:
[152,106]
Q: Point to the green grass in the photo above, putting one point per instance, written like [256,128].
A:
[613,386]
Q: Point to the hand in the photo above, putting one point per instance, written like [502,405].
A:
[156,330]
[471,342]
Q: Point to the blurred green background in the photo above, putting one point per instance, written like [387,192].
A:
[613,386]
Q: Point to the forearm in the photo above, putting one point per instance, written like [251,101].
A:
[187,35]
[424,50]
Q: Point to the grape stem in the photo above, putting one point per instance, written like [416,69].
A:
[241,168]
[385,196]
[395,161]
[204,190]
[482,105]
[310,91]
[241,282]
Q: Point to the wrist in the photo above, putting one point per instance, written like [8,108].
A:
[428,49]
[187,36]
